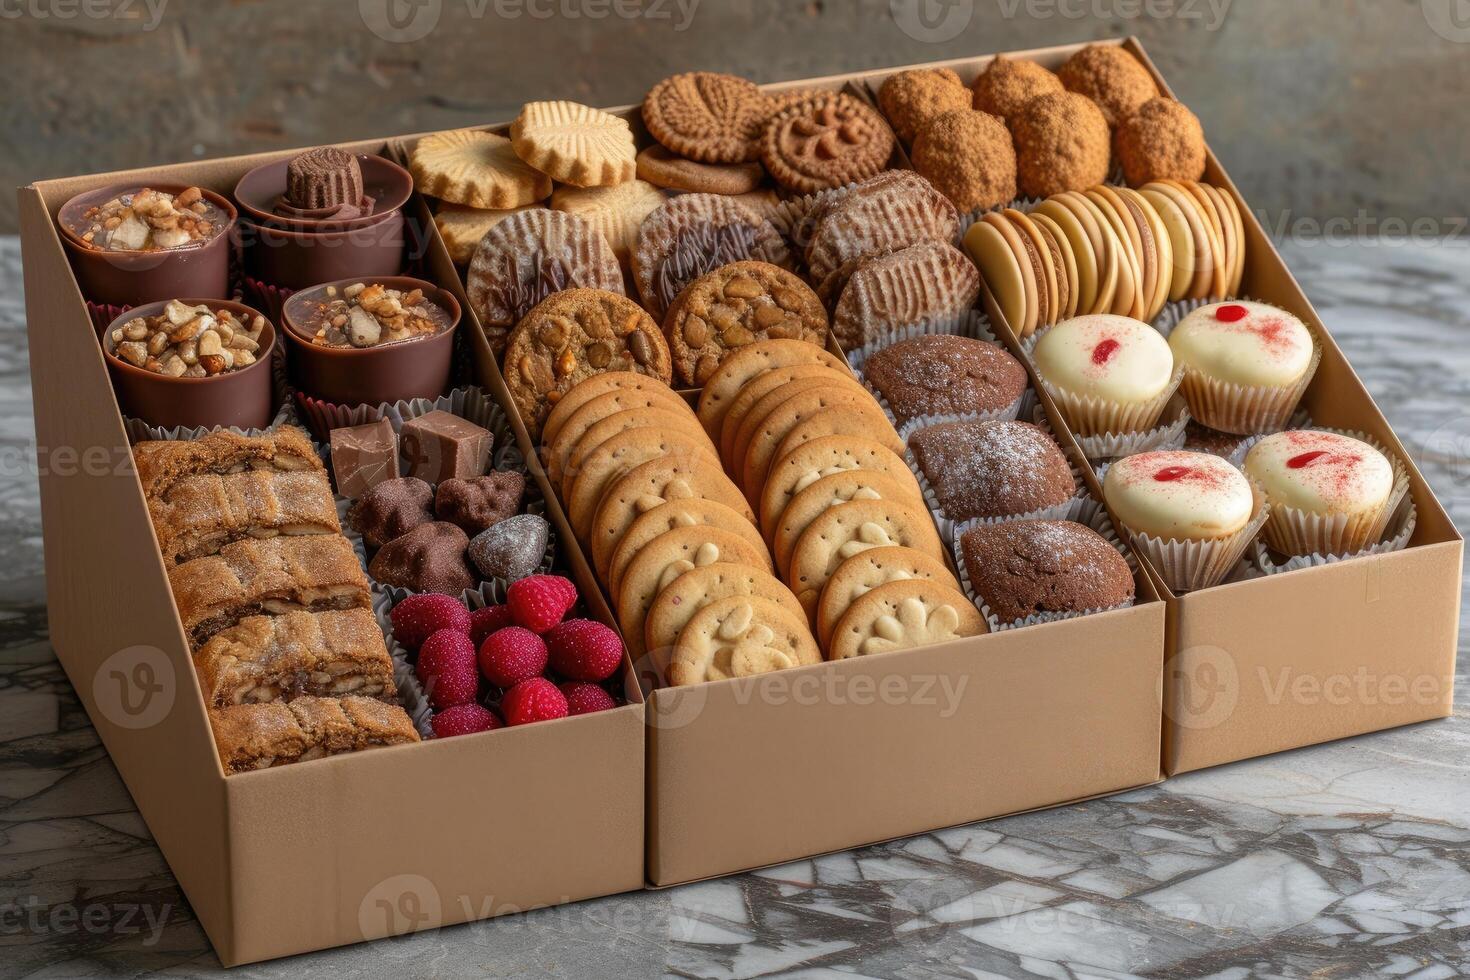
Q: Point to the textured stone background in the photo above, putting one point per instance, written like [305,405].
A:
[1322,109]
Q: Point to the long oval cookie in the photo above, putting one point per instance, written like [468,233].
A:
[824,456]
[840,532]
[742,365]
[830,491]
[740,636]
[903,615]
[864,572]
[697,588]
[665,517]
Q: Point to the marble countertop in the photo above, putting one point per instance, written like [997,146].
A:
[1344,860]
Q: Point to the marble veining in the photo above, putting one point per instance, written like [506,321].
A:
[1344,860]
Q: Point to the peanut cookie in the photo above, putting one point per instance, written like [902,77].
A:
[928,281]
[761,396]
[574,143]
[821,457]
[862,573]
[734,306]
[556,451]
[583,488]
[661,168]
[740,366]
[665,517]
[740,636]
[697,588]
[616,211]
[828,140]
[768,432]
[601,384]
[462,227]
[527,257]
[646,417]
[653,484]
[668,556]
[838,533]
[571,335]
[692,234]
[902,615]
[893,210]
[835,422]
[910,99]
[830,491]
[476,169]
[704,115]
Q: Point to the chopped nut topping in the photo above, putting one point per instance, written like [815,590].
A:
[147,220]
[188,341]
[371,315]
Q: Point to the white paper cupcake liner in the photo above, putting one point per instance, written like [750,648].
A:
[1395,537]
[1168,434]
[1188,565]
[1091,417]
[1084,510]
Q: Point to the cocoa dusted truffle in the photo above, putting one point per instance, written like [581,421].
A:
[391,509]
[430,558]
[479,502]
[1022,568]
[1062,144]
[968,156]
[1111,77]
[941,374]
[910,99]
[1006,84]
[992,469]
[1162,140]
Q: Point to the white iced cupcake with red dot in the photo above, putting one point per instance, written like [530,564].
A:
[1330,493]
[1107,373]
[1190,514]
[1246,365]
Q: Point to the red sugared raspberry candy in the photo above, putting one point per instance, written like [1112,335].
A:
[418,617]
[584,650]
[583,698]
[538,602]
[512,655]
[534,700]
[463,719]
[446,649]
[487,620]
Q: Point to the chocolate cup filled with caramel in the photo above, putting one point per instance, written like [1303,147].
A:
[239,397]
[398,370]
[134,276]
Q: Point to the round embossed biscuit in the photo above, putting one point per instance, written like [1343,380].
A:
[864,572]
[835,422]
[615,457]
[668,556]
[829,491]
[635,418]
[558,449]
[740,636]
[708,116]
[663,168]
[828,140]
[601,384]
[840,532]
[767,434]
[650,484]
[755,391]
[734,306]
[821,457]
[741,366]
[697,588]
[902,615]
[572,335]
[680,512]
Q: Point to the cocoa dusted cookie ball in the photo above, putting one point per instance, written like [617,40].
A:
[1062,144]
[1022,568]
[911,98]
[1163,140]
[967,155]
[1006,84]
[1111,77]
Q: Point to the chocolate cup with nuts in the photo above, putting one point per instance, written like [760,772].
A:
[296,259]
[120,277]
[388,184]
[239,398]
[407,369]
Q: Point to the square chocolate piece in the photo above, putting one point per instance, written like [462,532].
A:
[440,446]
[364,456]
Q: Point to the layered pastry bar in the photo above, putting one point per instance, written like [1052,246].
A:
[198,515]
[316,654]
[161,463]
[259,736]
[315,573]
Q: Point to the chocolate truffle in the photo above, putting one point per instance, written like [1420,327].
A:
[481,501]
[1022,568]
[430,558]
[1178,495]
[1162,140]
[1006,84]
[327,177]
[992,469]
[512,549]
[910,99]
[1111,77]
[441,446]
[390,509]
[363,456]
[941,374]
[1062,144]
[969,158]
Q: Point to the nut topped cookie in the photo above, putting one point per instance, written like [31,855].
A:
[827,140]
[902,615]
[677,604]
[740,636]
[941,374]
[574,143]
[529,256]
[708,116]
[838,533]
[571,335]
[992,469]
[736,305]
[1022,568]
[860,574]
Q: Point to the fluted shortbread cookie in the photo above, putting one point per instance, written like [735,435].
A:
[476,169]
[574,143]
